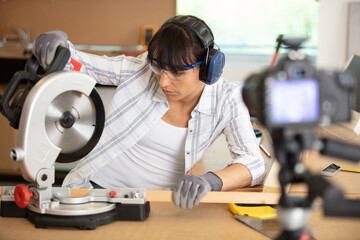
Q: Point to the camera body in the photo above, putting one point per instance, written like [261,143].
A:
[294,94]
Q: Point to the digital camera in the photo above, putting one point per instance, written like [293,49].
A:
[294,94]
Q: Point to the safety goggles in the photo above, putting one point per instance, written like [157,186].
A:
[172,75]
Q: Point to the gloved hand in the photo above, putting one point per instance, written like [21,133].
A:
[189,190]
[45,46]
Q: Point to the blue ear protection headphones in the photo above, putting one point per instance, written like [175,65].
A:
[213,64]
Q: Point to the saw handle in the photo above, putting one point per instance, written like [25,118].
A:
[13,113]
[30,77]
[62,56]
[32,65]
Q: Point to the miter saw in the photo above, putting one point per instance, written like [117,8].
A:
[60,117]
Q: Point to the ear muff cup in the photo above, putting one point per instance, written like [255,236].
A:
[212,67]
[211,71]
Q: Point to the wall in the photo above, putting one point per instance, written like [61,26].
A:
[118,22]
[108,22]
[333,33]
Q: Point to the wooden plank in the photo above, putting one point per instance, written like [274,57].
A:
[220,197]
[216,197]
[210,197]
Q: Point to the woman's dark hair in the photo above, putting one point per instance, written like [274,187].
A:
[174,46]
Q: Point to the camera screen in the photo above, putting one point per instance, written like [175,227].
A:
[294,101]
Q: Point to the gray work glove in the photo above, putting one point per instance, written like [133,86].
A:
[189,190]
[45,46]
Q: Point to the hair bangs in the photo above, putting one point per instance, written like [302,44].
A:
[172,48]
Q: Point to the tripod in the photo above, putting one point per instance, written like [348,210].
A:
[294,211]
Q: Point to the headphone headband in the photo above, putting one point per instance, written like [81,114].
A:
[200,29]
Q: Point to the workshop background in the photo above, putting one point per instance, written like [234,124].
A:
[121,23]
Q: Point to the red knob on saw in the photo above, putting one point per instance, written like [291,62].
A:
[22,196]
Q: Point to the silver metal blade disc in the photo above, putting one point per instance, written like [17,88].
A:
[82,112]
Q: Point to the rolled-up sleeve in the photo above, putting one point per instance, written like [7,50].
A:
[241,139]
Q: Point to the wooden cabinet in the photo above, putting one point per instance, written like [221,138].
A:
[7,142]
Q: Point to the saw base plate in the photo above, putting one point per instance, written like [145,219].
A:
[125,212]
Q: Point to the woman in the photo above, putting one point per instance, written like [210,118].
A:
[170,105]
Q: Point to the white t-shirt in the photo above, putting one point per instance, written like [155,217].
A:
[156,162]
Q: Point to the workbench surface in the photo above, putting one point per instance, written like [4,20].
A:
[206,221]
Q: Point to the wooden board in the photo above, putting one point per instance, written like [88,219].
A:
[270,198]
[221,197]
[210,197]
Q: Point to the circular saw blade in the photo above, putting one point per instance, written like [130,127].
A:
[71,138]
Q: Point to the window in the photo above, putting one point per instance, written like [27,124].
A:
[250,27]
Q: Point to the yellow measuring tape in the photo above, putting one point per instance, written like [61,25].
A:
[349,169]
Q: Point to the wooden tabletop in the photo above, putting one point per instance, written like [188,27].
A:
[206,221]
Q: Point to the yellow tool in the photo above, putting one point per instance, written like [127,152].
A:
[260,218]
[260,212]
[349,169]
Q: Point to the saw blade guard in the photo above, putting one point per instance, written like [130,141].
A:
[62,119]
